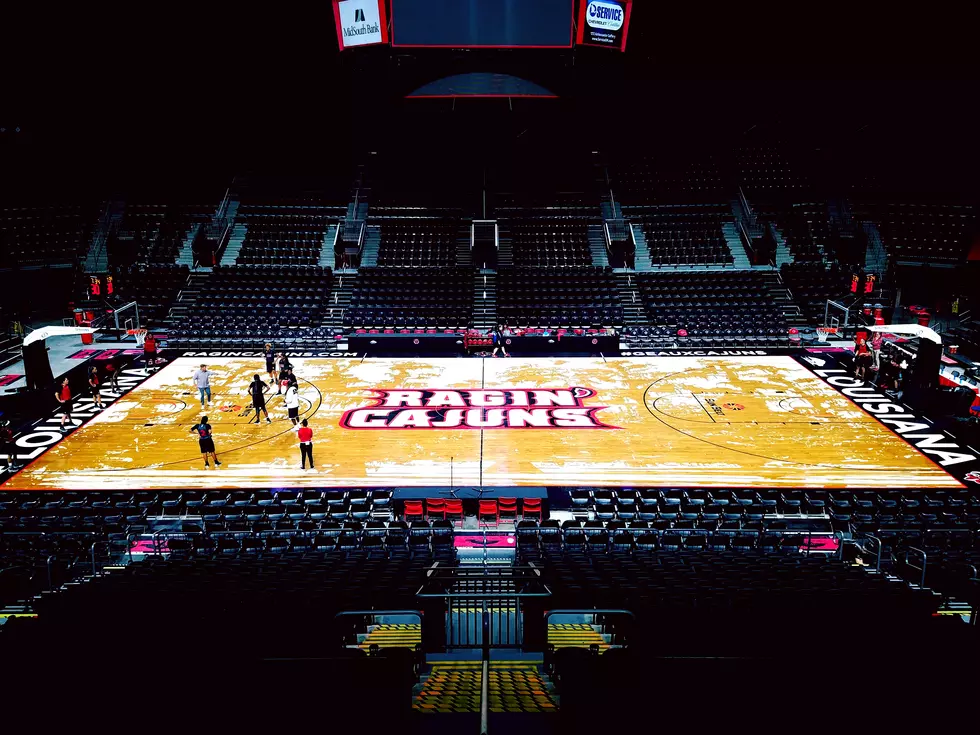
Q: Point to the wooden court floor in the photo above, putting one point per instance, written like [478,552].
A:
[673,421]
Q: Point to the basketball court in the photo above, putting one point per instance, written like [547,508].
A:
[761,421]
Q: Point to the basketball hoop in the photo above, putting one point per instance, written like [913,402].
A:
[824,332]
[139,334]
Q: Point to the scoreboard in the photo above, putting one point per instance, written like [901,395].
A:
[482,23]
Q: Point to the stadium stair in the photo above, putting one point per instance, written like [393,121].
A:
[97,257]
[629,295]
[188,297]
[780,295]
[340,297]
[514,687]
[597,246]
[328,257]
[185,255]
[735,246]
[641,258]
[505,249]
[783,254]
[234,247]
[484,300]
[372,241]
[464,256]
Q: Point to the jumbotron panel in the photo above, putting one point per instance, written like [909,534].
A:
[673,421]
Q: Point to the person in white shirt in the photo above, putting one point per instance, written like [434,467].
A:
[292,403]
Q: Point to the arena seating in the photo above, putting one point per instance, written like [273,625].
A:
[249,304]
[765,173]
[417,242]
[550,242]
[713,309]
[569,297]
[48,235]
[154,233]
[153,287]
[805,227]
[284,235]
[921,232]
[439,298]
[684,234]
[685,177]
[812,284]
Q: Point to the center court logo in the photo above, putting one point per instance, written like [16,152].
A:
[605,15]
[478,409]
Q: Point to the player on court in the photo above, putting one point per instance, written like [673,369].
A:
[282,365]
[63,395]
[257,389]
[292,403]
[93,384]
[270,364]
[206,440]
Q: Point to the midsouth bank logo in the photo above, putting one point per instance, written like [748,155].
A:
[360,22]
[477,409]
[605,15]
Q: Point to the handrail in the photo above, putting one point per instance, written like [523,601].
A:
[361,613]
[922,578]
[485,699]
[587,611]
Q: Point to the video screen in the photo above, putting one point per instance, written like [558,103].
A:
[482,23]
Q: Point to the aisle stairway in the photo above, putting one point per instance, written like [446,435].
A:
[514,686]
[629,295]
[484,300]
[597,246]
[340,297]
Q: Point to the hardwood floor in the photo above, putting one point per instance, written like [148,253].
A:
[675,421]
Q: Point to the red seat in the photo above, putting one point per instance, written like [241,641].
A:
[435,508]
[413,509]
[488,508]
[507,508]
[532,507]
[454,509]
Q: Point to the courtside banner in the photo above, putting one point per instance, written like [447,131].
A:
[360,22]
[604,23]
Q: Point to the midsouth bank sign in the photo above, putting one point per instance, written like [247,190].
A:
[360,22]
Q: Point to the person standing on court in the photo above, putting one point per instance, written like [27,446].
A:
[305,436]
[63,394]
[93,384]
[270,364]
[206,441]
[149,351]
[257,389]
[202,379]
[292,403]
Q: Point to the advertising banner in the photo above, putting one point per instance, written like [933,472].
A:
[604,23]
[360,22]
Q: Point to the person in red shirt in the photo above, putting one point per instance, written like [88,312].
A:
[63,394]
[149,350]
[862,358]
[305,435]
